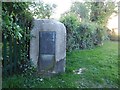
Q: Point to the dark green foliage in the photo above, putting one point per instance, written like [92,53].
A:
[16,25]
[15,17]
[85,35]
[71,21]
[89,35]
[82,35]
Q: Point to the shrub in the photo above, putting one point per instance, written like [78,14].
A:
[71,21]
[90,34]
[99,35]
[82,35]
[17,22]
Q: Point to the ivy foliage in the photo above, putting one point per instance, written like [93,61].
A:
[14,16]
[16,26]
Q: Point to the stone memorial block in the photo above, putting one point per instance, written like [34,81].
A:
[48,46]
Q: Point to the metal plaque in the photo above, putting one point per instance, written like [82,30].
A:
[47,42]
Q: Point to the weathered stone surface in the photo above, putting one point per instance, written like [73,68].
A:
[43,25]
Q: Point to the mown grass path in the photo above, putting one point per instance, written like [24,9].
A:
[101,65]
[100,71]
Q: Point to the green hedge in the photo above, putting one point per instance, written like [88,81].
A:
[16,26]
[89,35]
[71,21]
[82,35]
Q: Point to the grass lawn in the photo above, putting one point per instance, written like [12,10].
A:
[100,71]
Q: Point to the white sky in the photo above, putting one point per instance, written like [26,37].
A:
[64,5]
[113,22]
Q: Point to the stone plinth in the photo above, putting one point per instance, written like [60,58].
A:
[48,46]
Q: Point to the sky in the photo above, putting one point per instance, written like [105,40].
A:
[64,5]
[113,22]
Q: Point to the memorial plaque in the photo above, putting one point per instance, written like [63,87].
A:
[47,42]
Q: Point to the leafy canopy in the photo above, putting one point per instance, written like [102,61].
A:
[42,10]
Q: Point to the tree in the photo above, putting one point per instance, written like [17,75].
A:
[91,30]
[12,13]
[80,9]
[42,10]
[101,11]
